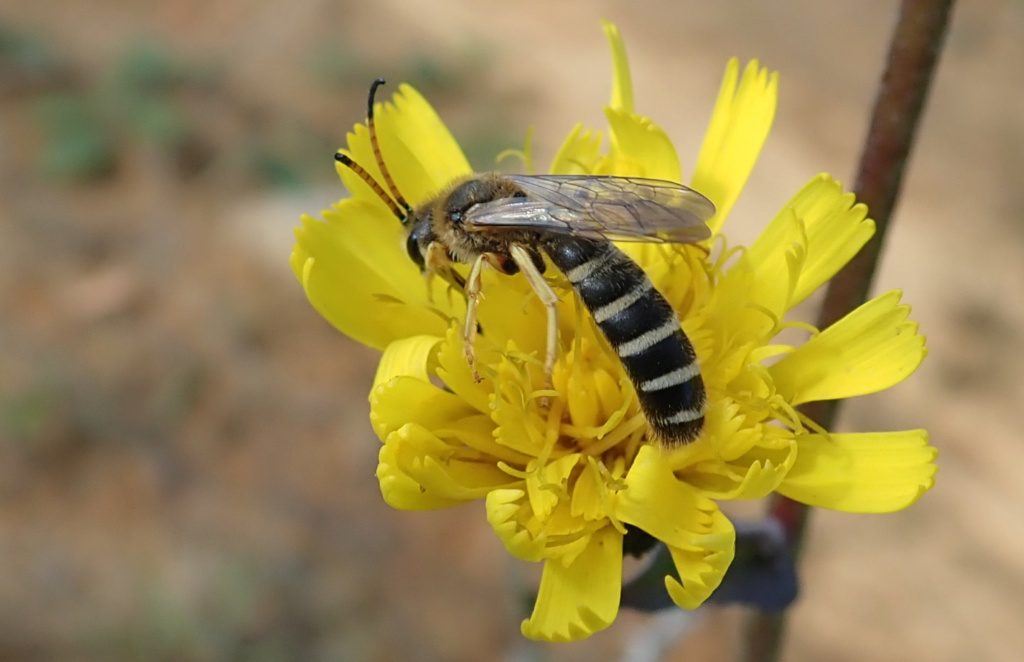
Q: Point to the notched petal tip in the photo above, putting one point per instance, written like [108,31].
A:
[742,117]
[419,470]
[622,82]
[577,600]
[503,509]
[350,262]
[873,472]
[658,502]
[579,153]
[836,227]
[639,148]
[871,349]
[701,568]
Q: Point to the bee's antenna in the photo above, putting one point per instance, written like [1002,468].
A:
[344,160]
[376,149]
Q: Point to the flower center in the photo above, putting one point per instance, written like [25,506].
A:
[601,409]
[583,435]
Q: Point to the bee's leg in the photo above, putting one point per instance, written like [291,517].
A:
[439,263]
[435,264]
[473,295]
[548,297]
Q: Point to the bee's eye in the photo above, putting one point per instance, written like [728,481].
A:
[412,246]
[465,196]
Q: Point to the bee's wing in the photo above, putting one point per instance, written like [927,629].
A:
[619,208]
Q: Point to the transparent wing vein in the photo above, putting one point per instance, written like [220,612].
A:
[618,208]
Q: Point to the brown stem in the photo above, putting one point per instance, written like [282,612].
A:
[913,54]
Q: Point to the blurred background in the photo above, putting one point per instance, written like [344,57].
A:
[186,464]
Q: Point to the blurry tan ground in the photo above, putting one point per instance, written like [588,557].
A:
[186,466]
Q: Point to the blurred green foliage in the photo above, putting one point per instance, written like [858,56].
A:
[27,415]
[150,98]
[25,59]
[439,78]
[336,65]
[77,144]
[140,95]
[85,125]
[251,609]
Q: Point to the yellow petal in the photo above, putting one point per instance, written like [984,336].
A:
[739,126]
[408,357]
[558,536]
[457,376]
[754,295]
[405,400]
[749,478]
[835,229]
[418,470]
[402,392]
[579,154]
[871,349]
[402,400]
[639,148]
[725,436]
[417,147]
[546,487]
[699,537]
[662,505]
[511,312]
[582,598]
[878,472]
[588,499]
[742,460]
[503,512]
[676,271]
[622,82]
[520,424]
[741,313]
[702,566]
[353,265]
[355,277]
[519,429]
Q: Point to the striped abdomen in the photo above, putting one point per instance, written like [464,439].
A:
[644,330]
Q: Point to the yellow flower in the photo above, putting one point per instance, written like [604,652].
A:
[566,473]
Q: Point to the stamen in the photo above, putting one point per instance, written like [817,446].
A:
[810,328]
[770,315]
[598,432]
[785,413]
[619,434]
[525,154]
[545,393]
[558,489]
[566,539]
[512,471]
[632,446]
[524,359]
[768,352]
[602,477]
[720,265]
[812,424]
[550,433]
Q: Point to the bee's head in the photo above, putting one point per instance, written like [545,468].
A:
[419,239]
[445,211]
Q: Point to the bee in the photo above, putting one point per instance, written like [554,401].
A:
[513,222]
